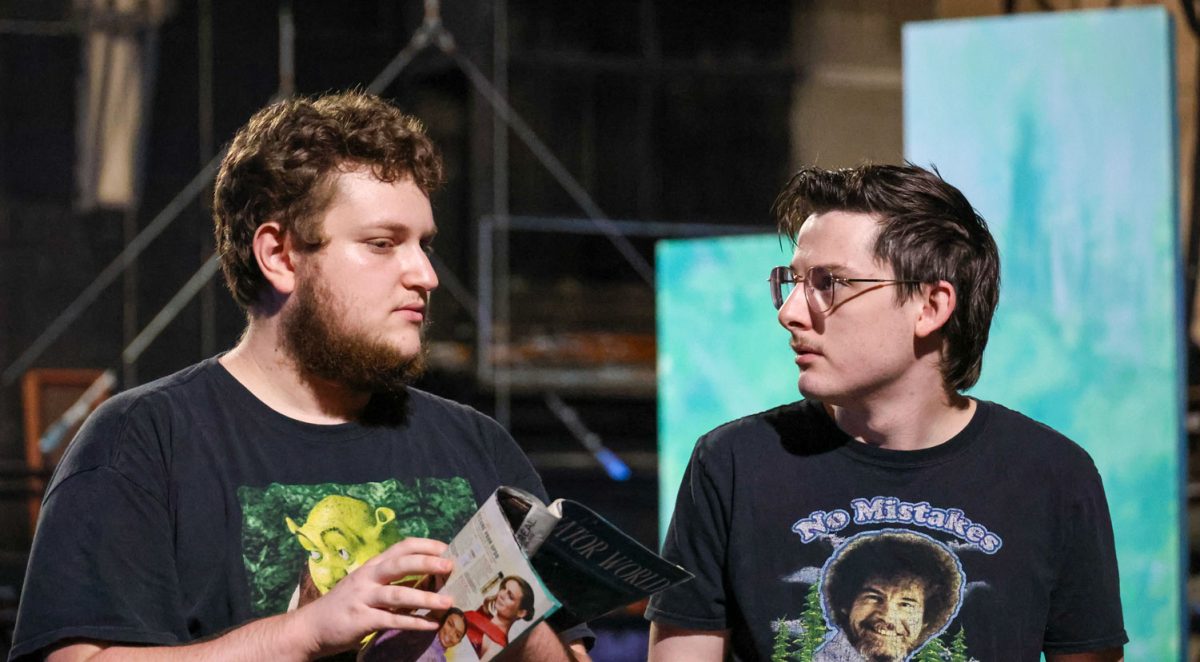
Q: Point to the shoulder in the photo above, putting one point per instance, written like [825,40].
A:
[425,401]
[797,428]
[461,426]
[427,407]
[128,426]
[1030,445]
[154,400]
[181,385]
[1022,433]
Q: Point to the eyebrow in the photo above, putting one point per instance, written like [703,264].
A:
[398,227]
[834,267]
[879,590]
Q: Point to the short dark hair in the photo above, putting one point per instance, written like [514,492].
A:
[894,554]
[928,232]
[281,166]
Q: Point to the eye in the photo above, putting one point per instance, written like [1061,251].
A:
[427,246]
[821,278]
[871,598]
[344,554]
[314,555]
[381,243]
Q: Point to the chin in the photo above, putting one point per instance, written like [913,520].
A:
[406,348]
[840,395]
[813,390]
[408,353]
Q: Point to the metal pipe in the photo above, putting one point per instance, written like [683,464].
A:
[168,312]
[501,375]
[206,133]
[57,431]
[632,228]
[502,383]
[110,272]
[484,365]
[420,40]
[454,286]
[552,165]
[148,51]
[287,50]
[613,466]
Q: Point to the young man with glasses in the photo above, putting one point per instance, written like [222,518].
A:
[887,302]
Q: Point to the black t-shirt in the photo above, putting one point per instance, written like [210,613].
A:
[181,509]
[808,545]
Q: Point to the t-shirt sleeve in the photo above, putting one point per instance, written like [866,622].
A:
[1085,603]
[696,540]
[101,566]
[513,466]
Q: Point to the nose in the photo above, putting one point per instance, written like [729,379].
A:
[889,614]
[885,610]
[422,275]
[795,311]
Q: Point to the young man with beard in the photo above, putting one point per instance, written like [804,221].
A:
[887,303]
[164,531]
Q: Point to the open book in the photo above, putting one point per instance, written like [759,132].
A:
[518,562]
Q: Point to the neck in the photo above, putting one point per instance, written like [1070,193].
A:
[905,423]
[504,623]
[262,364]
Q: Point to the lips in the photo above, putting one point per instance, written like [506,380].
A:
[414,311]
[883,643]
[883,630]
[804,353]
[884,635]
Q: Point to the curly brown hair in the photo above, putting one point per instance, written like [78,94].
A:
[282,166]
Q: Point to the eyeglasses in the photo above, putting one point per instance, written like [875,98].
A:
[820,286]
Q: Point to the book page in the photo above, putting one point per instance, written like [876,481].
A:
[497,598]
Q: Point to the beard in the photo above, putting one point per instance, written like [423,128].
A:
[884,648]
[323,348]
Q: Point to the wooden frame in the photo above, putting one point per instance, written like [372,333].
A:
[46,393]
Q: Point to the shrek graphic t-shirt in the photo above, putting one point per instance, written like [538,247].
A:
[808,545]
[186,507]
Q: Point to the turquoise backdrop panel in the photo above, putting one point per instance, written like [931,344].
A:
[721,352]
[1059,128]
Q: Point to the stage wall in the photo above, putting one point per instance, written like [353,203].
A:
[1059,128]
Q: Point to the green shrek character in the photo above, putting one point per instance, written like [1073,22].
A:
[340,534]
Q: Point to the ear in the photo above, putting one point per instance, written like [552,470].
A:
[273,252]
[383,515]
[937,303]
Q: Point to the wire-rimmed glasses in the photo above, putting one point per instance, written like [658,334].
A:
[820,286]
